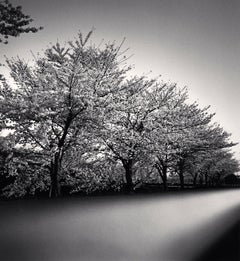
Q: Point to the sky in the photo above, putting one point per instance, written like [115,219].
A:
[195,43]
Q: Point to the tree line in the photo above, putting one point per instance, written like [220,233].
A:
[77,118]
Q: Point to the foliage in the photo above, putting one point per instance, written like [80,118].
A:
[212,167]
[26,172]
[13,21]
[100,176]
[79,121]
[129,119]
[58,96]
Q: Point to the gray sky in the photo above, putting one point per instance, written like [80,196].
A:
[191,42]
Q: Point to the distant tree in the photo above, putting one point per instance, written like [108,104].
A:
[231,179]
[214,166]
[174,132]
[207,139]
[57,96]
[13,21]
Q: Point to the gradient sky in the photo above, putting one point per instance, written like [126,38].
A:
[195,43]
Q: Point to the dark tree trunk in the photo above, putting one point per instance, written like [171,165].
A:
[55,189]
[195,180]
[206,179]
[164,178]
[163,174]
[128,174]
[181,177]
[181,174]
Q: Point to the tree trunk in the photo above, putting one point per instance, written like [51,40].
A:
[55,189]
[181,174]
[181,177]
[164,178]
[163,173]
[206,179]
[128,174]
[195,180]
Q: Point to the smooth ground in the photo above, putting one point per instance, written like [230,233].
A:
[172,227]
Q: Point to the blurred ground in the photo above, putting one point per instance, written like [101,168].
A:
[172,227]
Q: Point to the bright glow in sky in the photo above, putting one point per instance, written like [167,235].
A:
[191,42]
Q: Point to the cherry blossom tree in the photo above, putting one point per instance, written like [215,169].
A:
[128,120]
[206,139]
[180,131]
[58,95]
[211,167]
[174,131]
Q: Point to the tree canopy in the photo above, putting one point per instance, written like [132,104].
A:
[79,121]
